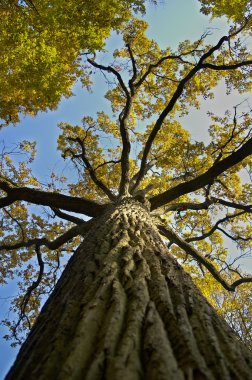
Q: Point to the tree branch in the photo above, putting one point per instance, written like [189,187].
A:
[29,291]
[126,146]
[238,206]
[180,88]
[51,199]
[54,244]
[168,57]
[234,238]
[131,81]
[91,171]
[172,236]
[214,228]
[242,280]
[5,201]
[17,222]
[106,163]
[36,283]
[226,67]
[148,166]
[69,218]
[203,179]
[183,206]
[110,69]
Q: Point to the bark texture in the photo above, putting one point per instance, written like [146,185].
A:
[125,310]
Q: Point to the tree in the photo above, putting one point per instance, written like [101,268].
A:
[124,307]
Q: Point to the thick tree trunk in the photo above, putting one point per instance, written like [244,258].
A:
[125,309]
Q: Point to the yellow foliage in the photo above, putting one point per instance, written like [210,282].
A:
[41,48]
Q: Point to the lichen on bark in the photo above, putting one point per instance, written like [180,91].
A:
[125,309]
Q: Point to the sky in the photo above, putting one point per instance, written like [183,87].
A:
[170,22]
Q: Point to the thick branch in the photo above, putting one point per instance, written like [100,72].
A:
[126,146]
[242,280]
[203,179]
[5,201]
[125,168]
[172,236]
[131,81]
[65,202]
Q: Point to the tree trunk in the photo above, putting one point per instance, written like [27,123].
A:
[124,309]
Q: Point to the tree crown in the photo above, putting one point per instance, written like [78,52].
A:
[198,192]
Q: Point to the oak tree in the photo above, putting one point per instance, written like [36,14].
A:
[124,308]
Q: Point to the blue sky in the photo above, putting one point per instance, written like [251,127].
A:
[170,22]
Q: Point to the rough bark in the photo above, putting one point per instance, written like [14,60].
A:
[124,309]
